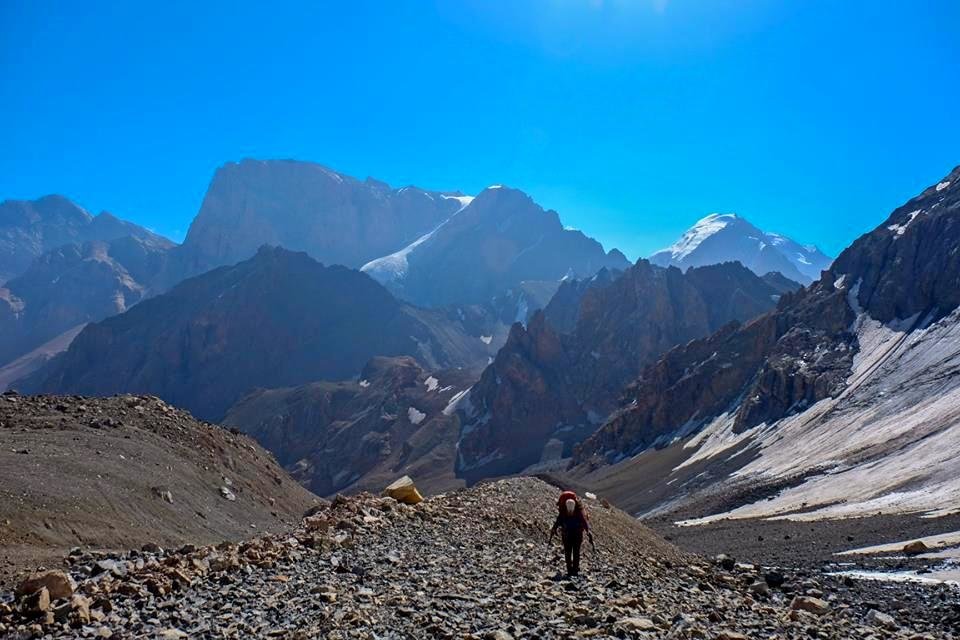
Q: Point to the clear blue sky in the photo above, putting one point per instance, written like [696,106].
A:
[631,118]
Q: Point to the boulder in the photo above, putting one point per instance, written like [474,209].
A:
[810,604]
[57,583]
[878,619]
[403,490]
[915,548]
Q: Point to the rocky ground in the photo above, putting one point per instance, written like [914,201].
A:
[470,564]
[115,473]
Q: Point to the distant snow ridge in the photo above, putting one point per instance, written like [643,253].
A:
[726,237]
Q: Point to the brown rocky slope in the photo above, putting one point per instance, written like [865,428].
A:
[110,473]
[470,564]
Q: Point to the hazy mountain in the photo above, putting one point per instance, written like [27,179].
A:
[855,377]
[277,319]
[303,206]
[547,390]
[30,228]
[71,286]
[495,242]
[727,237]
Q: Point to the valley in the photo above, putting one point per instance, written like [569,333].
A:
[707,412]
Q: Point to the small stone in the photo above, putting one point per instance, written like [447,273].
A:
[731,635]
[809,604]
[226,493]
[80,606]
[636,624]
[498,635]
[36,603]
[774,579]
[761,589]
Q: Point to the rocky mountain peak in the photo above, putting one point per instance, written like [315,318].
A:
[548,390]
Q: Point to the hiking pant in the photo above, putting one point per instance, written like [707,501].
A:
[571,550]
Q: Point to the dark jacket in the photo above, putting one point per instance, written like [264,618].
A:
[576,523]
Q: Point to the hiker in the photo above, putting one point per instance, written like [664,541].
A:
[572,523]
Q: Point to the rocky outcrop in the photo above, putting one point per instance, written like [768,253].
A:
[360,434]
[501,239]
[547,391]
[803,352]
[727,237]
[278,319]
[30,228]
[303,206]
[73,285]
[563,310]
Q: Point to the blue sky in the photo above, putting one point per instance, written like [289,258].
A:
[633,119]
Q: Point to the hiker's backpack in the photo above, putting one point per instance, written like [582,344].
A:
[562,500]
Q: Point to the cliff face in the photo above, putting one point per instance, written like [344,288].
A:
[547,391]
[905,272]
[302,206]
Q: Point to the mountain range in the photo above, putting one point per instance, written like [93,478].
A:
[841,402]
[30,228]
[494,242]
[547,390]
[325,351]
[279,318]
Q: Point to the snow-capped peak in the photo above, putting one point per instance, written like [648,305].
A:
[727,237]
[695,235]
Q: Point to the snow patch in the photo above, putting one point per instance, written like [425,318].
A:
[463,200]
[415,416]
[868,450]
[431,383]
[943,185]
[486,339]
[900,228]
[364,383]
[455,401]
